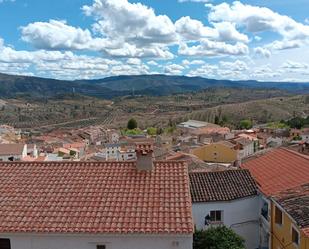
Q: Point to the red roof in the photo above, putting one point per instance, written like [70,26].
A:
[94,197]
[279,170]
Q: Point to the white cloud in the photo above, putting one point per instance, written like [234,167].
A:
[191,29]
[227,32]
[58,35]
[136,29]
[123,29]
[213,48]
[152,63]
[264,52]
[134,61]
[257,19]
[234,66]
[193,62]
[257,38]
[174,69]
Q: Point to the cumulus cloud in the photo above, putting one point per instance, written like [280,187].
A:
[58,35]
[257,19]
[213,48]
[193,30]
[234,66]
[134,26]
[152,63]
[134,61]
[174,69]
[193,62]
[263,52]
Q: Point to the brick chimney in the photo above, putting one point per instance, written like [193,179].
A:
[144,155]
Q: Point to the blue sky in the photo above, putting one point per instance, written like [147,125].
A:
[267,40]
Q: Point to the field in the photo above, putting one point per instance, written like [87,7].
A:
[71,111]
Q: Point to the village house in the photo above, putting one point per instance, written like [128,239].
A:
[276,171]
[227,198]
[12,152]
[244,146]
[78,149]
[220,152]
[96,205]
[290,218]
[214,133]
[252,137]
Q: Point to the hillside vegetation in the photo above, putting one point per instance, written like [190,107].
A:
[12,86]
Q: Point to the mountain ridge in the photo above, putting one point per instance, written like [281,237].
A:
[116,86]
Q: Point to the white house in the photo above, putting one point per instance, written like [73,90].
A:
[227,198]
[96,205]
[246,147]
[12,152]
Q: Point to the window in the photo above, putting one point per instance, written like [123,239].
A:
[264,210]
[101,247]
[278,216]
[216,216]
[5,244]
[295,236]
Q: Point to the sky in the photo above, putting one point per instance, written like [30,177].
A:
[266,40]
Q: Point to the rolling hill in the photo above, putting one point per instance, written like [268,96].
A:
[156,85]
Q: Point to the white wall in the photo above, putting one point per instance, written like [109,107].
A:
[36,241]
[241,215]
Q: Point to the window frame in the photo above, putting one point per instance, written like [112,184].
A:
[216,216]
[279,209]
[265,202]
[7,240]
[101,246]
[298,236]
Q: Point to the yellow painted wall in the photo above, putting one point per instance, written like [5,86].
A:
[281,236]
[216,152]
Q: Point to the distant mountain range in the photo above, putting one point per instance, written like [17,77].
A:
[158,85]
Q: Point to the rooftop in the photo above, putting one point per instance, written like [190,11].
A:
[278,170]
[94,197]
[222,185]
[296,203]
[11,149]
[197,124]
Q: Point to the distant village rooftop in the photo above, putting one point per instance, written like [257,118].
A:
[194,124]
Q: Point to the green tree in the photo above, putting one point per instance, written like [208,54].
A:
[132,124]
[217,119]
[245,124]
[151,131]
[217,238]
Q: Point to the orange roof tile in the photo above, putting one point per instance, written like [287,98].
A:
[279,170]
[94,197]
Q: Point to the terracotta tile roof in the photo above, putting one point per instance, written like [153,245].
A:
[211,130]
[278,170]
[221,186]
[11,149]
[296,203]
[95,197]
